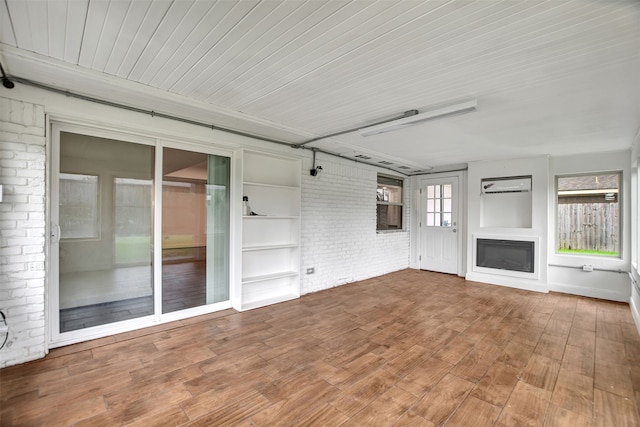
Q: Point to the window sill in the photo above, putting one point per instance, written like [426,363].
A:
[615,264]
[402,230]
[574,259]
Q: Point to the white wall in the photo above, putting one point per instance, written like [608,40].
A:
[338,233]
[537,167]
[22,230]
[339,239]
[565,273]
[558,272]
[338,226]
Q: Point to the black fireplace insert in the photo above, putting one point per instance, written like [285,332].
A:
[514,255]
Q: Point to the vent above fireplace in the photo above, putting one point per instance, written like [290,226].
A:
[506,185]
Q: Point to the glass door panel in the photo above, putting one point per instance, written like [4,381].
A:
[105,211]
[439,205]
[195,229]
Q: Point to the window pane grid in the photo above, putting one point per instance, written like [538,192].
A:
[439,205]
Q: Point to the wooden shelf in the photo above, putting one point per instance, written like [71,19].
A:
[272,276]
[270,247]
[249,305]
[270,252]
[258,184]
[269,217]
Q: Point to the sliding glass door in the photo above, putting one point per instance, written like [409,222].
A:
[105,225]
[107,208]
[195,229]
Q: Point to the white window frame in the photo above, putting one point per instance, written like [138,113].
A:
[620,201]
[387,203]
[441,211]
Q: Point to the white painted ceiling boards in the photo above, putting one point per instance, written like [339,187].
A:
[550,77]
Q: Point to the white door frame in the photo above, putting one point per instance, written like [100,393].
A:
[52,323]
[421,183]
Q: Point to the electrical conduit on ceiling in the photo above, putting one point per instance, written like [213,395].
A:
[8,83]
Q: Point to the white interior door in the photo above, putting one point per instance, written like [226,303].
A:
[439,225]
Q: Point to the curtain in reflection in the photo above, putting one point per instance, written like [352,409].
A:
[218,207]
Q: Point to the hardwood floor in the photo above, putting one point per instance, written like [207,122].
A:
[410,348]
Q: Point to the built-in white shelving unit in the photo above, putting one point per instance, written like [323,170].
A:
[270,239]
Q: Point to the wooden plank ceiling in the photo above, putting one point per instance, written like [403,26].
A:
[551,77]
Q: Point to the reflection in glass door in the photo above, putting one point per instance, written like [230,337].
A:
[195,229]
[104,213]
[105,200]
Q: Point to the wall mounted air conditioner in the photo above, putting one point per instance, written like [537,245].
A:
[520,184]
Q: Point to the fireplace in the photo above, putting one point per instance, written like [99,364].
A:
[512,255]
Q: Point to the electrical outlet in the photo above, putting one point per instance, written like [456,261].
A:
[587,267]
[311,270]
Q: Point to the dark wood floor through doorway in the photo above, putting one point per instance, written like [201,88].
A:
[410,348]
[183,286]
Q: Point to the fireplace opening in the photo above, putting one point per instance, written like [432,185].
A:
[514,255]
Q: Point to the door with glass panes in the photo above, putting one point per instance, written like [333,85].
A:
[132,244]
[439,225]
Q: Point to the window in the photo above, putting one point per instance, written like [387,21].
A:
[78,206]
[132,211]
[389,203]
[588,221]
[439,205]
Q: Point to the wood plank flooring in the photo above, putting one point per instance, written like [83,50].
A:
[410,348]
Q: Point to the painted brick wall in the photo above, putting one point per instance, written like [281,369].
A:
[22,230]
[338,230]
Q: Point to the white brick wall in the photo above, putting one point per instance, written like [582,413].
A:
[22,230]
[338,228]
[338,231]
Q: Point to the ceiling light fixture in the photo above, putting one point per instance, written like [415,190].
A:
[412,117]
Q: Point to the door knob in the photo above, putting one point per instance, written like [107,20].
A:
[454,230]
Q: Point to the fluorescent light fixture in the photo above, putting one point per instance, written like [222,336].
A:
[451,110]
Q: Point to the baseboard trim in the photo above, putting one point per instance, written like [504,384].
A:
[605,294]
[508,282]
[635,313]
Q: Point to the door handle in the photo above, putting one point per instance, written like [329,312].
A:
[55,233]
[454,230]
